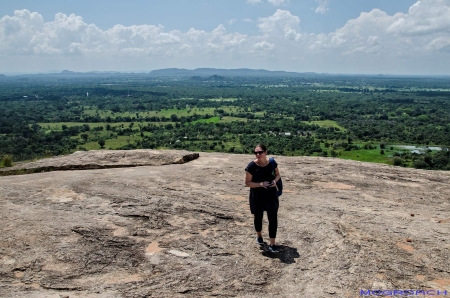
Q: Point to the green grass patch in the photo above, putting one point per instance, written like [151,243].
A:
[182,112]
[58,126]
[326,123]
[230,144]
[108,113]
[113,143]
[373,155]
[228,119]
[209,120]
[163,113]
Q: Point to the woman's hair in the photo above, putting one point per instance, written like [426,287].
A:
[262,146]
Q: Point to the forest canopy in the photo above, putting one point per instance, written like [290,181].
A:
[368,118]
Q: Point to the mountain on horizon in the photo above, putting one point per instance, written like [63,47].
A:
[202,72]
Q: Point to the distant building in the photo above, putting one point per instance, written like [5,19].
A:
[302,133]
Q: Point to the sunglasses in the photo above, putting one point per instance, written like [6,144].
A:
[259,152]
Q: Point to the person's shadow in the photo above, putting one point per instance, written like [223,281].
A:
[286,254]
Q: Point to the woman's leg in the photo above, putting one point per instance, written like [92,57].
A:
[258,219]
[272,217]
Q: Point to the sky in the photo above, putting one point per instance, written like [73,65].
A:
[325,36]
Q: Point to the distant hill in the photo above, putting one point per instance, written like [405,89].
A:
[202,74]
[67,72]
[209,72]
[197,78]
[215,74]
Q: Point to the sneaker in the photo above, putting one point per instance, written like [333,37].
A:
[260,240]
[274,248]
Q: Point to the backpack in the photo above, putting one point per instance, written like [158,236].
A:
[279,182]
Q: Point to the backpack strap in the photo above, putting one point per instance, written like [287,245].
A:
[279,184]
[272,162]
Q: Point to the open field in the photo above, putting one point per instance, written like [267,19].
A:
[326,123]
[372,155]
[57,126]
[209,120]
[228,119]
[113,143]
[163,113]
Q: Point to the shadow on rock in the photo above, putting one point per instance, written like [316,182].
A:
[286,255]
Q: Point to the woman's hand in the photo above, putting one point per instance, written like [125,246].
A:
[266,184]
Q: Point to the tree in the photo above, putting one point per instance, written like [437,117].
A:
[85,137]
[101,142]
[174,118]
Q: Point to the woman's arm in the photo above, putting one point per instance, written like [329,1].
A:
[249,183]
[277,175]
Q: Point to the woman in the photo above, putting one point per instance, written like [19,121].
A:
[261,177]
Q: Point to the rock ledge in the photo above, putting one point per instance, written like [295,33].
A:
[102,159]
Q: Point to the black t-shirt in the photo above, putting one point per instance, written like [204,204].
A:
[261,174]
[262,198]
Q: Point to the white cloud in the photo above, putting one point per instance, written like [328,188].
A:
[375,40]
[232,21]
[323,6]
[278,2]
[356,32]
[424,17]
[424,29]
[273,2]
[281,22]
[441,44]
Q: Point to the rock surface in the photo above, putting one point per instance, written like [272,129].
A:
[185,230]
[102,159]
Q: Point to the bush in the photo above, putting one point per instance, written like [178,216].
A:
[421,164]
[7,160]
[333,153]
[398,162]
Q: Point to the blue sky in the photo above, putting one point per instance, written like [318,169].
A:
[203,14]
[333,36]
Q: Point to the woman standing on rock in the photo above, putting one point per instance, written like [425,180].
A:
[261,177]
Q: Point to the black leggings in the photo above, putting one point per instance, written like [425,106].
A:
[272,216]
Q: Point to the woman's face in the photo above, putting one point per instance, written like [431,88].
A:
[260,153]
